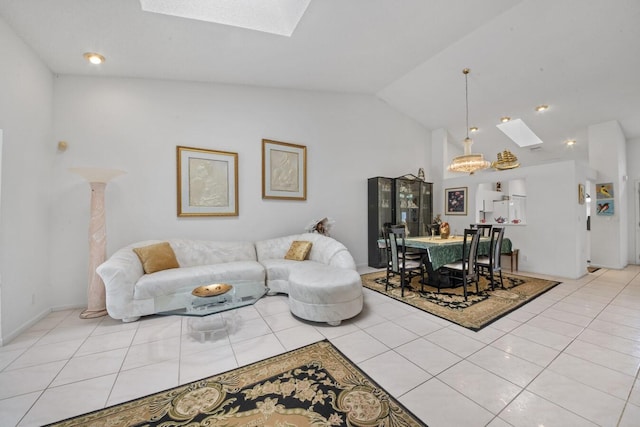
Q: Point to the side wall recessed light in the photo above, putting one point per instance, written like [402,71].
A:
[94,58]
[571,142]
[542,107]
[505,119]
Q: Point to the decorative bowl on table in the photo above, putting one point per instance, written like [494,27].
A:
[515,221]
[500,220]
[211,290]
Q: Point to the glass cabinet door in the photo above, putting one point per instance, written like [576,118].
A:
[380,200]
[426,209]
[414,206]
[408,205]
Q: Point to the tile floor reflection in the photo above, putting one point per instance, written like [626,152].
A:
[569,358]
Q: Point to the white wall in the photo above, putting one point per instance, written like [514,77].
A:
[26,91]
[633,171]
[551,241]
[136,125]
[607,154]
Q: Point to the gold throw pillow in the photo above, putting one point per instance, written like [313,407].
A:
[157,257]
[298,250]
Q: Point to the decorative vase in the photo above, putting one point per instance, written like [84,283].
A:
[444,230]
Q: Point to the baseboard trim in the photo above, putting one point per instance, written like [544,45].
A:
[4,340]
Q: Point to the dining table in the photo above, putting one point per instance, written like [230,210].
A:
[437,252]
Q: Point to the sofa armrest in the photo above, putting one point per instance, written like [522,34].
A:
[343,259]
[120,274]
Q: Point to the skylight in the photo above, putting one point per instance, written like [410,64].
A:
[270,16]
[519,132]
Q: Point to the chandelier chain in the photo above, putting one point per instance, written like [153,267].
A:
[466,96]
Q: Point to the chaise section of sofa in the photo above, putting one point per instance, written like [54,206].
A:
[324,250]
[324,287]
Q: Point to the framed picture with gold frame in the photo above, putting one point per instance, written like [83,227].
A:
[284,170]
[581,194]
[455,201]
[207,182]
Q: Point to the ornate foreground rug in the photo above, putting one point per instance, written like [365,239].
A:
[478,311]
[312,386]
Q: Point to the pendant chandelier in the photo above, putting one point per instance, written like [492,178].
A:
[468,162]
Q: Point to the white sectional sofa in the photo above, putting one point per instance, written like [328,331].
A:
[327,287]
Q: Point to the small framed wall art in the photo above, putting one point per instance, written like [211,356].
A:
[604,199]
[207,182]
[284,170]
[455,201]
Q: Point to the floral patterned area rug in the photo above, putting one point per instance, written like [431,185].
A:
[478,311]
[312,386]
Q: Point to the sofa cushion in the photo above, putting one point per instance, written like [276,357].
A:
[157,257]
[168,281]
[298,250]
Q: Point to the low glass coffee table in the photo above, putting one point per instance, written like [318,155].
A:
[200,309]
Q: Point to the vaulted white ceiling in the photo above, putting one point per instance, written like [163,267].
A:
[578,56]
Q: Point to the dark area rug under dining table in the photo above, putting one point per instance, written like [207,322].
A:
[480,309]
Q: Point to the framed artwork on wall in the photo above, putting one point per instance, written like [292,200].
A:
[455,201]
[604,199]
[581,194]
[207,182]
[284,170]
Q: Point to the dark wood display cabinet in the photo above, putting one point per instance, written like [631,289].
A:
[405,200]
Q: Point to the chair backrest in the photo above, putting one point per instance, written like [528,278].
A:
[396,235]
[485,229]
[470,251]
[497,233]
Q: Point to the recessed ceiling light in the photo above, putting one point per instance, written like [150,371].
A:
[505,119]
[542,107]
[473,129]
[94,58]
[570,142]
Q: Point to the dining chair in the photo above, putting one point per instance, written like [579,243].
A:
[466,271]
[410,253]
[399,263]
[492,263]
[485,229]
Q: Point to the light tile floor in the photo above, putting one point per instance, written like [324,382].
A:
[569,358]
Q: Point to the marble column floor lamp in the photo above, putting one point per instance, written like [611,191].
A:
[98,179]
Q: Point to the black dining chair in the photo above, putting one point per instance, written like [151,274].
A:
[466,271]
[492,263]
[398,262]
